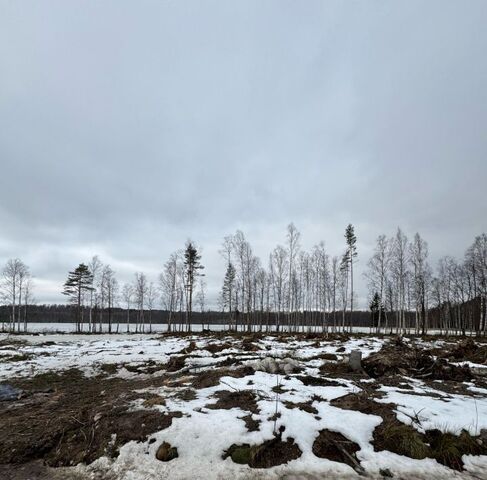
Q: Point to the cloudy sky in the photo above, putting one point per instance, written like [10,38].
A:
[127,127]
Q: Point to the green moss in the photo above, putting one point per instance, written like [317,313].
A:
[404,440]
[241,454]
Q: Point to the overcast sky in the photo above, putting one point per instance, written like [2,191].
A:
[127,127]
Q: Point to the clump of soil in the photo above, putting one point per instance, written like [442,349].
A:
[150,367]
[187,394]
[362,402]
[189,349]
[398,358]
[166,453]
[175,363]
[245,400]
[304,406]
[329,356]
[109,368]
[467,350]
[340,370]
[154,400]
[400,438]
[269,454]
[21,357]
[248,345]
[338,448]
[217,347]
[448,448]
[308,380]
[251,424]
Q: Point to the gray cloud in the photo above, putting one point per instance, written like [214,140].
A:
[127,127]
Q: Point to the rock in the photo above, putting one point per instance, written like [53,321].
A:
[355,360]
[288,365]
[166,452]
[270,365]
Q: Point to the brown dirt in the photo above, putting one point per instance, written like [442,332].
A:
[74,420]
[148,367]
[304,406]
[269,454]
[217,347]
[329,356]
[251,424]
[336,447]
[175,363]
[308,380]
[340,370]
[36,470]
[398,358]
[245,400]
[467,350]
[186,350]
[364,403]
[248,345]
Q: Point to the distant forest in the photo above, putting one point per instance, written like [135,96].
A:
[308,321]
[294,290]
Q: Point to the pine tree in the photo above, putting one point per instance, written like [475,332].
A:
[375,309]
[228,289]
[78,282]
[348,259]
[192,266]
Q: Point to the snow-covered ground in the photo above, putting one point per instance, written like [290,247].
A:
[202,434]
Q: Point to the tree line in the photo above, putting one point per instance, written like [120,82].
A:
[293,290]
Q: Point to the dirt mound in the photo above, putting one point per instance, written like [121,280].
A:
[269,454]
[244,400]
[251,424]
[361,402]
[175,363]
[446,448]
[340,370]
[304,406]
[308,380]
[398,358]
[86,438]
[467,350]
[248,345]
[338,448]
[217,347]
[186,350]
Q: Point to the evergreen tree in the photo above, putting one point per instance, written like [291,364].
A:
[347,261]
[375,309]
[78,282]
[228,289]
[192,266]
